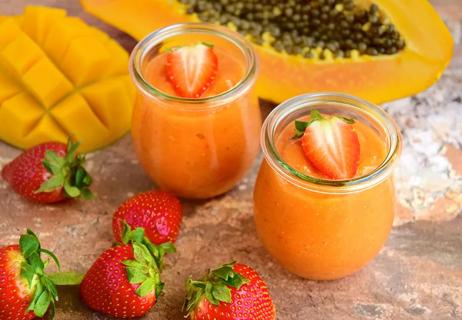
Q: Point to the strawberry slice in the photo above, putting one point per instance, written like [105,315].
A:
[330,145]
[192,70]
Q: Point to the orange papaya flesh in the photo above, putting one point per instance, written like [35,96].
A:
[428,50]
[61,78]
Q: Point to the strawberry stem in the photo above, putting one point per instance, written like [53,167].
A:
[32,269]
[148,263]
[66,278]
[215,287]
[67,172]
[315,115]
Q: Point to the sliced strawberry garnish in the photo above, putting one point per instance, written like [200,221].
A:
[192,70]
[331,145]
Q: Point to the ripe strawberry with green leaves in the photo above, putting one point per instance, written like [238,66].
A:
[232,291]
[49,172]
[124,281]
[158,212]
[330,144]
[26,292]
[191,70]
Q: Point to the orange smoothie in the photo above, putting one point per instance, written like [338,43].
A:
[198,147]
[320,228]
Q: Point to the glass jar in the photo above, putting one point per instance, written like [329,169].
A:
[317,228]
[196,147]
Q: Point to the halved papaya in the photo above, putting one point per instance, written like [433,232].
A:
[377,74]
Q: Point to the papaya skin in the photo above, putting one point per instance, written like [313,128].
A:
[429,48]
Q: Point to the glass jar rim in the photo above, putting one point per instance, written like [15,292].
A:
[295,177]
[144,46]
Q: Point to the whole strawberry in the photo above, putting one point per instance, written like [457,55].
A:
[233,291]
[124,282]
[26,292]
[159,213]
[49,172]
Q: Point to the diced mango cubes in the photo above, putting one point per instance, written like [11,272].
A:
[60,78]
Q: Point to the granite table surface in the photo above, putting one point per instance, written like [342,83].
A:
[417,275]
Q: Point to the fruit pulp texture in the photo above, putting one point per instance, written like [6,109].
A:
[202,152]
[318,235]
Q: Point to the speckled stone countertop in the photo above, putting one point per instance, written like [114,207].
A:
[418,274]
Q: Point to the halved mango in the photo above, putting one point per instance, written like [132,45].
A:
[18,116]
[61,78]
[428,50]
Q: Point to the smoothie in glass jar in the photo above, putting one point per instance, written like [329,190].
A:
[324,199]
[196,121]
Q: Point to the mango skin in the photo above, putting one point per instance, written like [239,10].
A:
[378,79]
[61,78]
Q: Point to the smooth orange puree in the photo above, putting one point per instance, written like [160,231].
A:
[197,150]
[320,235]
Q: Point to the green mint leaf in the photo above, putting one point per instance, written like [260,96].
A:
[42,304]
[66,278]
[207,44]
[146,287]
[221,293]
[300,126]
[315,115]
[297,135]
[348,120]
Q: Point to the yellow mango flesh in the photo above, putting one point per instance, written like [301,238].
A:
[60,78]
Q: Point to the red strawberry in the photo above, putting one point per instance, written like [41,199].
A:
[159,213]
[330,144]
[26,292]
[49,172]
[233,291]
[124,281]
[191,70]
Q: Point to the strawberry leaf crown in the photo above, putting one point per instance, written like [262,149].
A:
[33,271]
[67,172]
[145,269]
[215,287]
[315,115]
